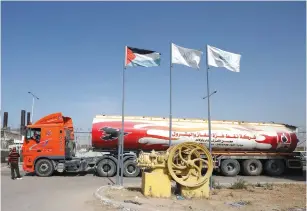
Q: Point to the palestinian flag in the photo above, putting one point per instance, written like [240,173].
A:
[141,57]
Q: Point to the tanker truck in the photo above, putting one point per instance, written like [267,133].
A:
[250,148]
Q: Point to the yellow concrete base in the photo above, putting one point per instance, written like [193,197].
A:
[197,192]
[156,183]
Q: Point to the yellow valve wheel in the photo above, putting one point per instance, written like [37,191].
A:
[186,161]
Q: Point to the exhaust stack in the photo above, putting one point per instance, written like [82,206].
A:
[28,118]
[5,119]
[22,121]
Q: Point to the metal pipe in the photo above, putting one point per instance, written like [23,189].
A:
[209,115]
[170,99]
[34,97]
[210,94]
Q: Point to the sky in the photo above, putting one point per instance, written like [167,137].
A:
[70,54]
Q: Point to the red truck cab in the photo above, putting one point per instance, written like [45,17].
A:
[47,140]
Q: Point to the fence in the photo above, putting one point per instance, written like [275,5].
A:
[83,139]
[8,136]
[7,139]
[301,146]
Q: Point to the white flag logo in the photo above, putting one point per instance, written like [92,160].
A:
[186,56]
[219,58]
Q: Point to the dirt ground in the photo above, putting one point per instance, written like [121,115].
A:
[268,197]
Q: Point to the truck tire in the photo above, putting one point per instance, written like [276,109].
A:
[230,167]
[131,169]
[252,167]
[274,167]
[44,168]
[106,168]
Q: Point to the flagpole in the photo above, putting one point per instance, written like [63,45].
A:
[123,122]
[119,150]
[170,99]
[122,132]
[209,115]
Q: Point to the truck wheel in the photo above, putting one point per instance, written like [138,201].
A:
[106,168]
[252,167]
[230,167]
[131,169]
[274,167]
[44,168]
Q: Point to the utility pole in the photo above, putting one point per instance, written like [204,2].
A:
[34,97]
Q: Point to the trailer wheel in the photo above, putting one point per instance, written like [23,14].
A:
[44,168]
[274,167]
[230,167]
[106,168]
[131,169]
[252,167]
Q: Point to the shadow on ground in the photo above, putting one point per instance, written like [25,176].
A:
[292,175]
[67,174]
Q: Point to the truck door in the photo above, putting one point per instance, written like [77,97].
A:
[30,147]
[32,139]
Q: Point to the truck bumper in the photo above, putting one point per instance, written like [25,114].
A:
[27,166]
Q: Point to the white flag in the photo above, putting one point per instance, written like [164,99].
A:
[219,58]
[186,56]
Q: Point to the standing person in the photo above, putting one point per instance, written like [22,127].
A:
[13,159]
[8,161]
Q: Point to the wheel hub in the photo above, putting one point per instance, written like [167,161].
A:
[230,167]
[190,163]
[44,167]
[274,167]
[131,169]
[106,168]
[253,167]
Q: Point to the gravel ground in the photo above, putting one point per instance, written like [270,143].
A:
[252,198]
[75,193]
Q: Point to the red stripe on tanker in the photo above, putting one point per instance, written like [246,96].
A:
[146,134]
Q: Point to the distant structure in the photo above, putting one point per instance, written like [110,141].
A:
[301,146]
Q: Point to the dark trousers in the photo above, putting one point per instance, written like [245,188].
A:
[15,167]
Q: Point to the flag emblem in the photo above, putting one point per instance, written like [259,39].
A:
[220,58]
[141,57]
[186,56]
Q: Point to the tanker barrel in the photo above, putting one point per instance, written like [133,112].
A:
[28,117]
[22,121]
[5,119]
